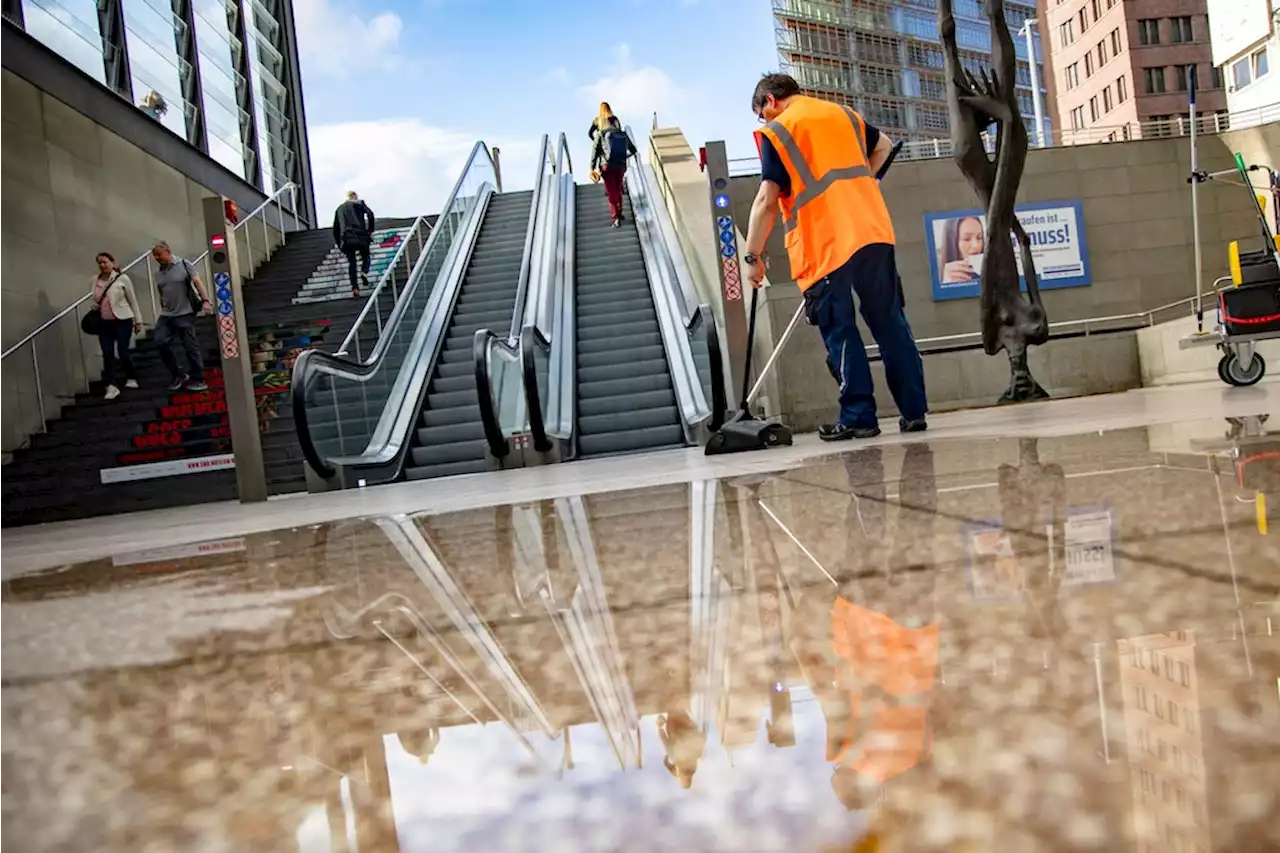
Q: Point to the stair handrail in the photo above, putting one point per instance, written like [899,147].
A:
[312,362]
[258,212]
[388,276]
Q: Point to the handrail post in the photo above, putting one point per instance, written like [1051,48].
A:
[35,366]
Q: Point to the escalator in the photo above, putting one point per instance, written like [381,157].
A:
[450,436]
[625,401]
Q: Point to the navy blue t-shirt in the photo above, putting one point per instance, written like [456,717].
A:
[772,169]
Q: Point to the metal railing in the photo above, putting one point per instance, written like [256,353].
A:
[378,307]
[68,319]
[930,149]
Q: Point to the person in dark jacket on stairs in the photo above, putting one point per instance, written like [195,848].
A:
[353,227]
[609,156]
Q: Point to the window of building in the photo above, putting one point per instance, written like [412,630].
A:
[1068,32]
[1093,109]
[1153,80]
[1184,674]
[1242,73]
[1101,50]
[1083,20]
[1073,75]
[1159,706]
[1215,77]
[1077,118]
[1261,64]
[1149,31]
[1181,27]
[1122,90]
[1107,104]
[1153,662]
[1115,42]
[1111,3]
[1088,64]
[1096,5]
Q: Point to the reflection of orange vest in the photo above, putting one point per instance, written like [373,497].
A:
[835,206]
[899,661]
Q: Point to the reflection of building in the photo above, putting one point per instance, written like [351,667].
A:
[1116,64]
[886,61]
[223,76]
[1166,748]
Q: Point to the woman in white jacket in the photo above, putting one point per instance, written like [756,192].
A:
[113,293]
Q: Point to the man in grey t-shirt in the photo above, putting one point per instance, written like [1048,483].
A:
[182,299]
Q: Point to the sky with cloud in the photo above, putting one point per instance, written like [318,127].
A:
[398,91]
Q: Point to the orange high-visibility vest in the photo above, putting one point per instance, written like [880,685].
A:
[902,663]
[835,207]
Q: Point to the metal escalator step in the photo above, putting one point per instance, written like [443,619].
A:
[629,419]
[637,318]
[455,355]
[591,257]
[428,472]
[624,370]
[445,417]
[453,451]
[599,330]
[623,403]
[623,442]
[444,384]
[620,355]
[640,303]
[466,431]
[457,368]
[476,300]
[625,292]
[615,387]
[452,399]
[634,340]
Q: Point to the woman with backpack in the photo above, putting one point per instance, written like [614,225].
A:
[609,157]
[117,305]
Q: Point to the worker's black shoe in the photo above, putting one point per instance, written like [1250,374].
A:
[841,432]
[912,424]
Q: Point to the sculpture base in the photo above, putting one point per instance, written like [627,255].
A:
[1022,385]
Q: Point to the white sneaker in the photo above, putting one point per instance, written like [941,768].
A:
[112,393]
[132,383]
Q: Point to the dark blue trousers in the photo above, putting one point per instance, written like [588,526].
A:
[872,274]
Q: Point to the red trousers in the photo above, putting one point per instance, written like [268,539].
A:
[612,176]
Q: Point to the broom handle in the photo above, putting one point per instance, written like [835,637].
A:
[751,337]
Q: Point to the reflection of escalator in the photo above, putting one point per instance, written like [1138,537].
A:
[450,437]
[626,401]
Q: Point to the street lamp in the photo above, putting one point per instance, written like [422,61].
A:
[1035,80]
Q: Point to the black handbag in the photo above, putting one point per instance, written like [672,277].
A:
[91,322]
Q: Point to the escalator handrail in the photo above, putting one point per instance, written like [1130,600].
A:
[311,363]
[715,357]
[386,276]
[531,341]
[482,346]
[526,263]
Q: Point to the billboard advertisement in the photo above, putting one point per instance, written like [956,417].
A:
[956,242]
[1237,25]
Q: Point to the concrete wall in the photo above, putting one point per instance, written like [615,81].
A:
[1163,362]
[72,189]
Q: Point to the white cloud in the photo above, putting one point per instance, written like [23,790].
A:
[403,167]
[634,93]
[334,40]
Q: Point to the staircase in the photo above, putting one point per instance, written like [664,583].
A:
[626,402]
[59,476]
[450,436]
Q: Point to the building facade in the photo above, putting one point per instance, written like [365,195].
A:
[1245,36]
[1121,64]
[221,74]
[884,57]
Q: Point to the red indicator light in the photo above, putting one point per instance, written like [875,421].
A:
[218,241]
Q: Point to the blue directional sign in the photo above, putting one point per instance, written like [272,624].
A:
[726,236]
[224,292]
[224,308]
[222,279]
[725,223]
[727,250]
[722,200]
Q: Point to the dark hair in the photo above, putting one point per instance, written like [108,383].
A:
[109,257]
[779,85]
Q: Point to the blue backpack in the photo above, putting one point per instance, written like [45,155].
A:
[615,146]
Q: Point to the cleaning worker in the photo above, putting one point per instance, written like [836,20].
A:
[818,162]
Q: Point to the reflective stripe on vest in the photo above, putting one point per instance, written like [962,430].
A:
[814,187]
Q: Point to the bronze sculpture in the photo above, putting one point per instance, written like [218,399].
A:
[1009,321]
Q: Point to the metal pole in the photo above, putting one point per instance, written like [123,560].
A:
[266,244]
[1195,203]
[35,365]
[1035,82]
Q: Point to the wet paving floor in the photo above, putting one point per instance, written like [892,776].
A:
[1052,644]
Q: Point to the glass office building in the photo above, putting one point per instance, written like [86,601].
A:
[884,57]
[226,72]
